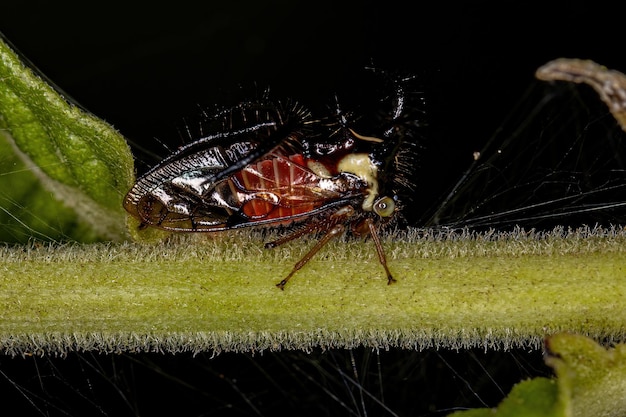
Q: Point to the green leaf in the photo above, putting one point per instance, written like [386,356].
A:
[63,172]
[591,382]
[591,379]
[531,398]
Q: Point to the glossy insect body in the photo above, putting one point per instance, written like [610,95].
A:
[273,165]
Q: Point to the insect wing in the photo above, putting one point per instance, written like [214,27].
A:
[281,188]
[271,190]
[171,194]
[255,175]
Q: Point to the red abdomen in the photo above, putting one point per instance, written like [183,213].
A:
[278,188]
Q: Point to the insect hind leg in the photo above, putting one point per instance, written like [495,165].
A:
[309,228]
[335,230]
[331,226]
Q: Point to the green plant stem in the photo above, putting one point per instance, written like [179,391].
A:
[202,294]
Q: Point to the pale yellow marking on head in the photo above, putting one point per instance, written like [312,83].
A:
[362,166]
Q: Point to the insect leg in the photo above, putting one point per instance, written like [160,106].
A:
[309,228]
[332,232]
[379,249]
[321,225]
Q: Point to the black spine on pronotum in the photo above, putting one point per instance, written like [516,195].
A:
[273,164]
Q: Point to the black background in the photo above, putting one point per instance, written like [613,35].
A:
[145,67]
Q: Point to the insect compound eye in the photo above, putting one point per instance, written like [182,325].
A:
[384,207]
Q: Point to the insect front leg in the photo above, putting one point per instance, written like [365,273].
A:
[379,248]
[365,227]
